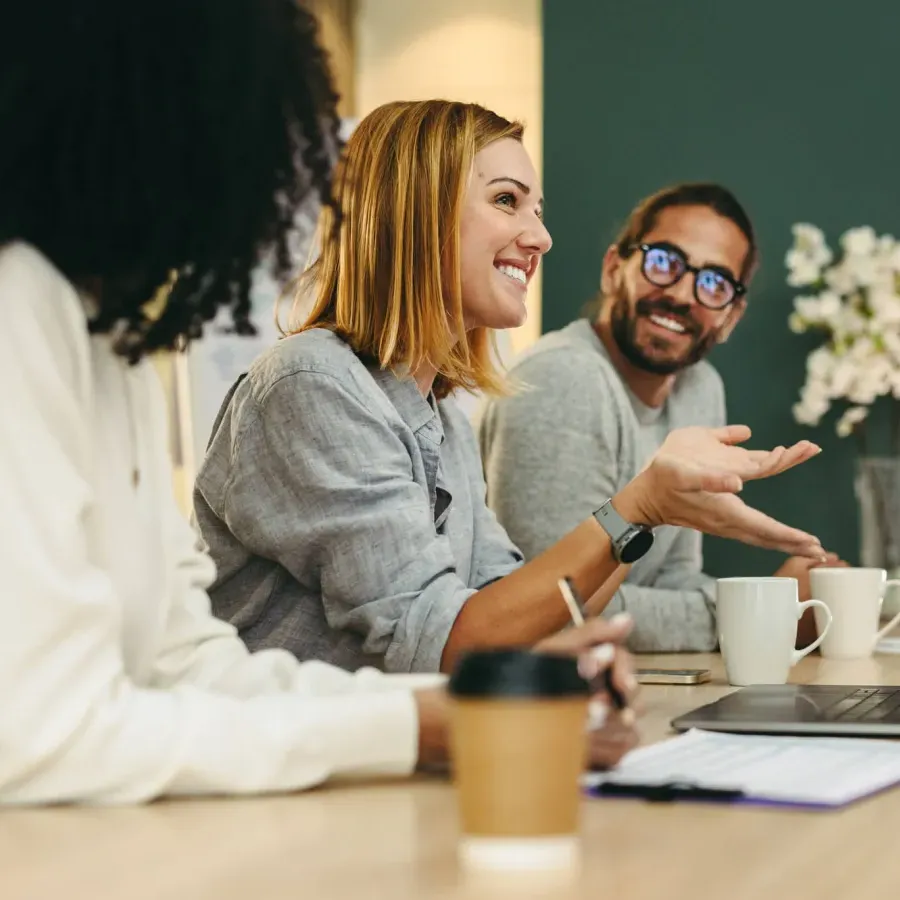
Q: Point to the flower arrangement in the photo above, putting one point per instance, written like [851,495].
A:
[854,302]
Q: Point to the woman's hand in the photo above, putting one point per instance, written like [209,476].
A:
[598,645]
[694,477]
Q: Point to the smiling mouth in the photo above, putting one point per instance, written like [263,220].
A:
[513,272]
[671,325]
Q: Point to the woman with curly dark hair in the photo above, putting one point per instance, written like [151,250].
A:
[145,144]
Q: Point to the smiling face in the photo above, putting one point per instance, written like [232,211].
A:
[665,329]
[502,236]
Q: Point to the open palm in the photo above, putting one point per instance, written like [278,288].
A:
[694,478]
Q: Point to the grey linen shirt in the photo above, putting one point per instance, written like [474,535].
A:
[571,437]
[345,512]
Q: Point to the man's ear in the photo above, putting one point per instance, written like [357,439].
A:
[612,262]
[735,314]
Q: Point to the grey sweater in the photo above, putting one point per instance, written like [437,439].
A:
[570,437]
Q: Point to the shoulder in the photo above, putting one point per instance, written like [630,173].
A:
[32,287]
[561,356]
[317,355]
[565,372]
[44,319]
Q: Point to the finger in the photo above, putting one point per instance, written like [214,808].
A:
[607,745]
[596,660]
[623,675]
[797,454]
[732,434]
[754,527]
[787,458]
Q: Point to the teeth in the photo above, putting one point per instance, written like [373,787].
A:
[513,272]
[669,324]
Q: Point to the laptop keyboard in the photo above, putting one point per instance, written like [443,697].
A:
[867,705]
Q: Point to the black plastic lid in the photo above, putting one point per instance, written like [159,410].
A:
[516,673]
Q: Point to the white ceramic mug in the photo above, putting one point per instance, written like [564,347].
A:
[757,624]
[854,598]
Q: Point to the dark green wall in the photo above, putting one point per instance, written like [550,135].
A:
[794,106]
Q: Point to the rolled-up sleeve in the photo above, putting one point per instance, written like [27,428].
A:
[322,484]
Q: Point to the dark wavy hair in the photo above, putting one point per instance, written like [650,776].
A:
[142,139]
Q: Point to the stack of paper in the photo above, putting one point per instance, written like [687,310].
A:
[792,771]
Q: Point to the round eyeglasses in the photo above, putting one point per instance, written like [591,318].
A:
[664,265]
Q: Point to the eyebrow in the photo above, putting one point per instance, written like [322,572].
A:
[524,188]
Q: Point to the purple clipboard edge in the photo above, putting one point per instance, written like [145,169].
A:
[753,801]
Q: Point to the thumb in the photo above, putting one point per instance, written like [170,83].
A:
[715,481]
[732,434]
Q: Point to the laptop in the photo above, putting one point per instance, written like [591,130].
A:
[803,709]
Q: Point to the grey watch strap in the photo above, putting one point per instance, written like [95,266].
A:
[629,542]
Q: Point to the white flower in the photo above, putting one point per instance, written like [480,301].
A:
[862,269]
[859,310]
[796,323]
[841,279]
[859,241]
[820,364]
[850,419]
[810,241]
[845,375]
[886,244]
[885,306]
[803,270]
[810,409]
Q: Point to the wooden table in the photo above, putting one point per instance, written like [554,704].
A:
[398,840]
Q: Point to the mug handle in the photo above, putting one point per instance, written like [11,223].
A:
[893,623]
[797,655]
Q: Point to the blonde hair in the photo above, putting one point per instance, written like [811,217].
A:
[387,278]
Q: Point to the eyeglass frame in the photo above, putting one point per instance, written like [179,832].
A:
[739,287]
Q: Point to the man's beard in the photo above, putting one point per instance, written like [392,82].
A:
[624,326]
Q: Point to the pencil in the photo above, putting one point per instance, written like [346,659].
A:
[573,602]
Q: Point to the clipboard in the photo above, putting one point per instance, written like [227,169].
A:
[715,767]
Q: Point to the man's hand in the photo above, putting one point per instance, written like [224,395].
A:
[799,567]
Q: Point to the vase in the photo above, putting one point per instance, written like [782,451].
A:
[877,487]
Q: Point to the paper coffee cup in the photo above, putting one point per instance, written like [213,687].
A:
[519,748]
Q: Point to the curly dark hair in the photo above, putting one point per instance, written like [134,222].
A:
[175,135]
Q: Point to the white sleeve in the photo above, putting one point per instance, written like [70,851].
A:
[74,726]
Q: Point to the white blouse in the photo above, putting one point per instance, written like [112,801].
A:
[117,685]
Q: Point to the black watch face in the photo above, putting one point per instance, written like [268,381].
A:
[639,544]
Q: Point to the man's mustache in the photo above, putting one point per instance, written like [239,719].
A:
[668,307]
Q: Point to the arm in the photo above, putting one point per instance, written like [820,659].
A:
[676,613]
[75,725]
[323,484]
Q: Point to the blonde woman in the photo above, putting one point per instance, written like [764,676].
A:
[342,497]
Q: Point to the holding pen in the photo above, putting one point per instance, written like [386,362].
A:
[603,682]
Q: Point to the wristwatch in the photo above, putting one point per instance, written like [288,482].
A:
[629,542]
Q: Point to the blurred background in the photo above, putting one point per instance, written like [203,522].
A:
[788,104]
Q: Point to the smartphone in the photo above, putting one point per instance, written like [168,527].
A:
[672,676]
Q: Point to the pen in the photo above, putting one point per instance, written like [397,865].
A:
[573,602]
[665,793]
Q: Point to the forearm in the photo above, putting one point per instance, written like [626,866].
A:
[526,605]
